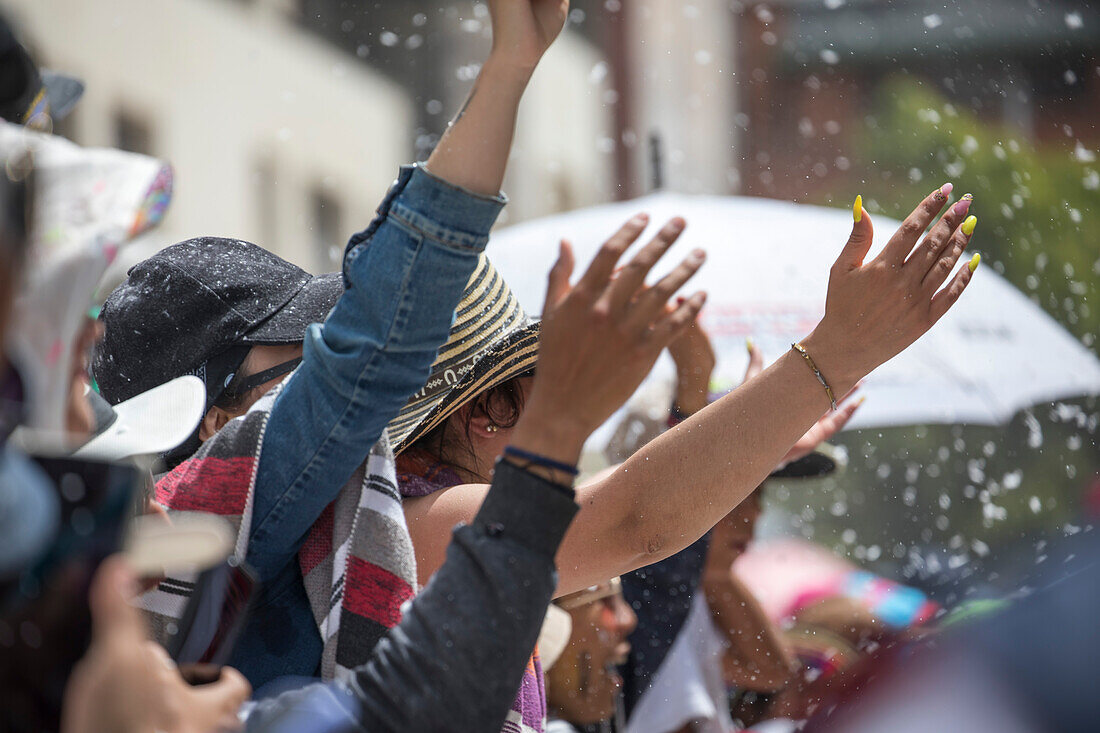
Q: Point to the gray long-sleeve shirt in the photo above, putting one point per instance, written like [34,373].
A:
[455,661]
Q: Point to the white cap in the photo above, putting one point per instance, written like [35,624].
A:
[151,423]
[557,627]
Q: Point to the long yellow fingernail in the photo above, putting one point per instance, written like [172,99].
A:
[857,209]
[974,262]
[969,224]
[750,344]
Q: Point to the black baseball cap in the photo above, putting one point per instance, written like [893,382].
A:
[196,308]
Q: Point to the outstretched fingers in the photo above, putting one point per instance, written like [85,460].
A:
[943,300]
[925,257]
[859,243]
[673,323]
[901,244]
[835,421]
[595,278]
[941,268]
[756,361]
[632,276]
[653,300]
[557,284]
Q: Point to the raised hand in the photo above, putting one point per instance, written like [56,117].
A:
[873,311]
[473,152]
[680,484]
[693,354]
[601,337]
[756,361]
[524,29]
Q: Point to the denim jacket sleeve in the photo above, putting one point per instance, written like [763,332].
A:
[403,276]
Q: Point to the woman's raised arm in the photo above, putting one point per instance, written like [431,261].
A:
[680,484]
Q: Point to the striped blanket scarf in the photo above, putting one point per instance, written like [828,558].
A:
[357,561]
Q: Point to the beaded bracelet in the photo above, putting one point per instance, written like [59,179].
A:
[543,461]
[817,372]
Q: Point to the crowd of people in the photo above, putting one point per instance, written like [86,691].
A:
[236,495]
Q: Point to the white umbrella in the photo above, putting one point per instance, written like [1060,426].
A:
[768,262]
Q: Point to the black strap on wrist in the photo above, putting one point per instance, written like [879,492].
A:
[506,464]
[538,460]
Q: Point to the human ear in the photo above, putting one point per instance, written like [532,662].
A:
[481,424]
[213,421]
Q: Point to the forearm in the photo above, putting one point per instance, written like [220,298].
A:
[692,390]
[758,656]
[474,150]
[475,624]
[680,484]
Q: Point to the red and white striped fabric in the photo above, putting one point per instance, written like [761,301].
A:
[357,562]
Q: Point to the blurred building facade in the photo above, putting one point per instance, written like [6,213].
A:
[635,95]
[286,130]
[812,71]
[562,157]
[677,69]
[286,119]
[275,136]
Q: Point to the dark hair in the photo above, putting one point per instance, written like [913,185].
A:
[16,216]
[453,444]
[17,189]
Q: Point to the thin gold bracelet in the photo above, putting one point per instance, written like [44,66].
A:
[817,372]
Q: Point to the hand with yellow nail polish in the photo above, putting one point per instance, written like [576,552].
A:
[875,310]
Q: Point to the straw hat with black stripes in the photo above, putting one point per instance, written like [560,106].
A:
[492,341]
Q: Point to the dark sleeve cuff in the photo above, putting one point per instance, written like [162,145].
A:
[525,508]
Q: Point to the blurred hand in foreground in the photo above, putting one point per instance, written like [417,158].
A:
[128,683]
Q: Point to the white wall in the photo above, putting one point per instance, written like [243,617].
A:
[684,90]
[562,157]
[225,85]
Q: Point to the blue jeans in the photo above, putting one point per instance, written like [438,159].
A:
[403,276]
